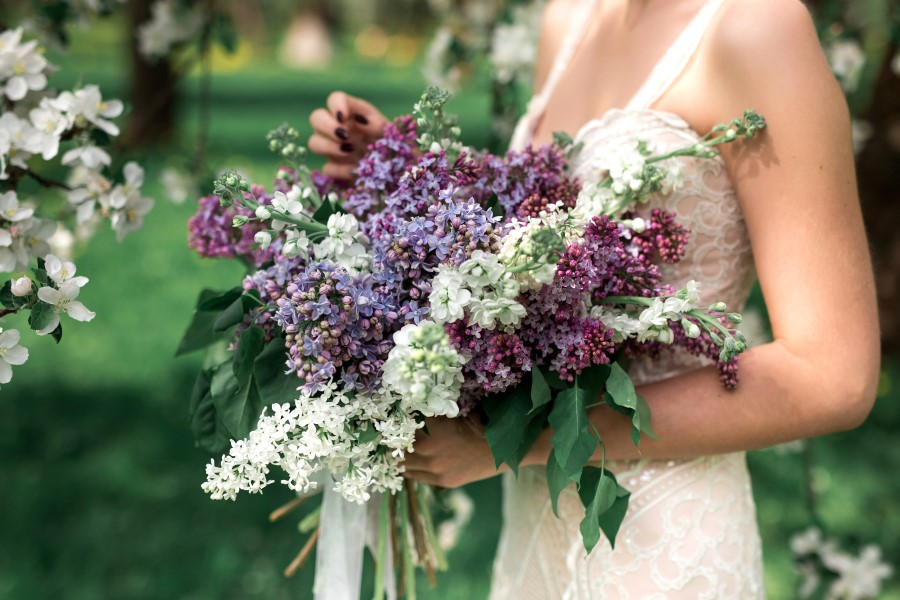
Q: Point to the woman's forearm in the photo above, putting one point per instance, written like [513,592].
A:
[782,396]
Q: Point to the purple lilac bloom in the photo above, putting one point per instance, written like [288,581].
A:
[336,324]
[495,360]
[663,238]
[212,234]
[525,181]
[381,169]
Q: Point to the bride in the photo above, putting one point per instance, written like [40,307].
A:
[782,207]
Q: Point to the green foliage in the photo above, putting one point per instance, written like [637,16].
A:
[209,430]
[235,312]
[573,441]
[540,390]
[8,300]
[509,424]
[622,397]
[41,315]
[272,383]
[200,333]
[605,502]
[557,480]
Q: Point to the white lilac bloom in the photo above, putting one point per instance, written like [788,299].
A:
[296,243]
[63,301]
[449,295]
[423,370]
[21,66]
[61,272]
[11,353]
[481,269]
[847,60]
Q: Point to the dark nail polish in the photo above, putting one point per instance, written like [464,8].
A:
[360,119]
[346,147]
[342,133]
[340,117]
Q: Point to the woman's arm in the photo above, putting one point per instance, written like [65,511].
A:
[797,190]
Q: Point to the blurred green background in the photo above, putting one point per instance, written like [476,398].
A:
[99,477]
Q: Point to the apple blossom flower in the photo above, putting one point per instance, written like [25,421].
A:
[49,124]
[11,211]
[62,272]
[21,287]
[21,66]
[89,155]
[63,301]
[11,353]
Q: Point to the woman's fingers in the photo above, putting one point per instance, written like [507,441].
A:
[324,123]
[356,115]
[333,150]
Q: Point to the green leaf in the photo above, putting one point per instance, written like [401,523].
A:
[573,441]
[56,334]
[598,493]
[621,388]
[248,348]
[640,421]
[323,212]
[593,380]
[611,520]
[210,300]
[557,480]
[209,431]
[235,312]
[41,315]
[8,300]
[533,430]
[40,275]
[200,333]
[553,380]
[540,391]
[273,385]
[238,406]
[508,421]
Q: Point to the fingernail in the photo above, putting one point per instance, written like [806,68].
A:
[360,119]
[346,147]
[342,133]
[340,117]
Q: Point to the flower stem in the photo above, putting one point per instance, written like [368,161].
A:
[301,557]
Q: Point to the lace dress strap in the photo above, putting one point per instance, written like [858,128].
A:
[676,58]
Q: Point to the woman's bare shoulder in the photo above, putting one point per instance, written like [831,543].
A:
[765,51]
[755,31]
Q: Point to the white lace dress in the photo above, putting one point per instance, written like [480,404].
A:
[690,532]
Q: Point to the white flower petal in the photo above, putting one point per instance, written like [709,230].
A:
[16,356]
[79,311]
[53,324]
[9,338]
[5,372]
[49,295]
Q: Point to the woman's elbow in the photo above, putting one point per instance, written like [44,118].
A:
[854,395]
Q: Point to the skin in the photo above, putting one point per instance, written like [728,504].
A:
[797,189]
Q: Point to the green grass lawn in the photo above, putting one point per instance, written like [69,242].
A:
[99,477]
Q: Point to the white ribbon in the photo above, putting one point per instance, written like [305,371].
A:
[345,528]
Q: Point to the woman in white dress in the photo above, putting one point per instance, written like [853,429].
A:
[783,208]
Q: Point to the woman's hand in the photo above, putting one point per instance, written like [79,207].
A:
[450,454]
[342,131]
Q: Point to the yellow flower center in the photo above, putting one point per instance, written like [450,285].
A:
[19,69]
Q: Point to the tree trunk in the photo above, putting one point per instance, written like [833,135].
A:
[153,89]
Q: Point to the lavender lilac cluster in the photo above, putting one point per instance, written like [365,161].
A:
[335,324]
[212,234]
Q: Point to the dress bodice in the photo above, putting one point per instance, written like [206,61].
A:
[690,531]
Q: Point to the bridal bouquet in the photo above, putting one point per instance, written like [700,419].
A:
[441,282]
